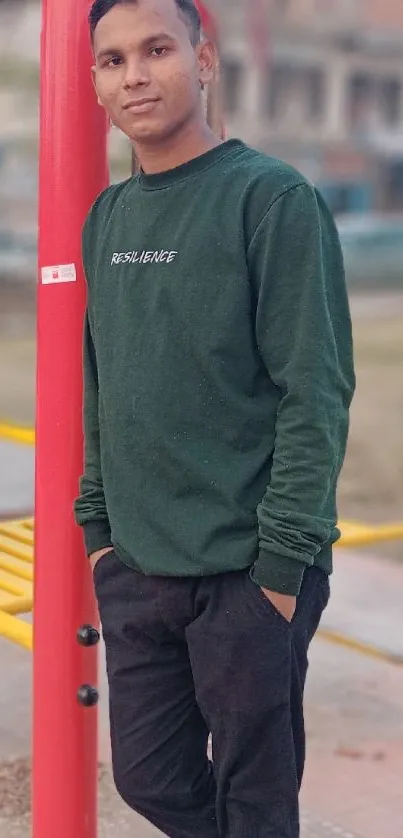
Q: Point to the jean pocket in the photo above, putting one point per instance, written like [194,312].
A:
[267,608]
[101,565]
[319,604]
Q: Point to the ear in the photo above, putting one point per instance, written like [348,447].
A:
[94,82]
[207,59]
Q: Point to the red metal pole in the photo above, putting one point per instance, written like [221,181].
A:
[73,170]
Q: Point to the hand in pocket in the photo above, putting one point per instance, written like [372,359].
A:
[284,604]
[96,557]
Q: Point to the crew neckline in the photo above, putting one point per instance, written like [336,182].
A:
[162,180]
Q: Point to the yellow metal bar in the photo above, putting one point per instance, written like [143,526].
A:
[16,630]
[9,587]
[12,433]
[16,549]
[21,572]
[28,524]
[358,646]
[20,605]
[19,531]
[359,535]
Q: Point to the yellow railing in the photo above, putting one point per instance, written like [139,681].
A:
[13,433]
[356,534]
[16,579]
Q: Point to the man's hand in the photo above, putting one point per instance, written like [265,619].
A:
[284,604]
[95,557]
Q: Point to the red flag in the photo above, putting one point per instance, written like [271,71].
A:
[209,23]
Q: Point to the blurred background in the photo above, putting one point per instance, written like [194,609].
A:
[318,83]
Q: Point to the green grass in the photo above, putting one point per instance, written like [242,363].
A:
[17,74]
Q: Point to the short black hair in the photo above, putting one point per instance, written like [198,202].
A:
[187,9]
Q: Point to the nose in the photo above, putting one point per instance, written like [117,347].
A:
[136,74]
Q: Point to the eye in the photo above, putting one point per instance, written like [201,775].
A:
[159,51]
[114,61]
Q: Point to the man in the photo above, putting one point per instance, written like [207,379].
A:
[218,380]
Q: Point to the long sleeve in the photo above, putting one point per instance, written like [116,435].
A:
[303,332]
[90,507]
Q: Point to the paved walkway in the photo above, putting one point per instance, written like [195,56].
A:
[353,780]
[354,705]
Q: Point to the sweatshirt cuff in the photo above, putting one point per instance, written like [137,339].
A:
[97,535]
[278,573]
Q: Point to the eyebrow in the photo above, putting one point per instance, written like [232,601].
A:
[159,36]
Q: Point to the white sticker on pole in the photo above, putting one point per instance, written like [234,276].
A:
[58,273]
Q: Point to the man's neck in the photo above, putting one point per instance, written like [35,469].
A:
[190,144]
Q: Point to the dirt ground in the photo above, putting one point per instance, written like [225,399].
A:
[371,487]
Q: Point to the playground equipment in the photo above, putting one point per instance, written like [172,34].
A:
[16,572]
[73,171]
[16,580]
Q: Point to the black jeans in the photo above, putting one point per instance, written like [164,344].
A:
[190,657]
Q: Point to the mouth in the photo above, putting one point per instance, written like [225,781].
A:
[140,105]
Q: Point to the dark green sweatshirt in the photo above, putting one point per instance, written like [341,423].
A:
[218,371]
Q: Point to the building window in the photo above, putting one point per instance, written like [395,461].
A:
[361,99]
[231,74]
[280,90]
[298,90]
[390,100]
[316,92]
[394,186]
[280,7]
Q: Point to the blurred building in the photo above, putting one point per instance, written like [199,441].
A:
[19,75]
[316,82]
[322,87]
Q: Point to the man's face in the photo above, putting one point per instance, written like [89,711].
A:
[147,73]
